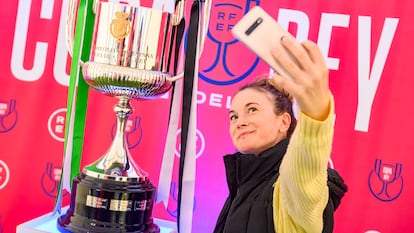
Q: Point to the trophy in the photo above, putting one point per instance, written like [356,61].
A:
[129,59]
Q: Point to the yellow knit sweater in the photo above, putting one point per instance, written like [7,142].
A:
[301,191]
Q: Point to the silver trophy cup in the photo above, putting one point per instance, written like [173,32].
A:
[130,59]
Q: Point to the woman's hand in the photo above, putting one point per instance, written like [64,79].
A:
[309,82]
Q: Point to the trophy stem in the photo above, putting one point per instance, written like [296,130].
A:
[113,194]
[117,163]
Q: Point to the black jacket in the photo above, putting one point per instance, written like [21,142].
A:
[250,179]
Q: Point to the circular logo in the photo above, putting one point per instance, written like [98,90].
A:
[200,143]
[4,174]
[56,124]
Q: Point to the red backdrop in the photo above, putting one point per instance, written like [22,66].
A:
[368,45]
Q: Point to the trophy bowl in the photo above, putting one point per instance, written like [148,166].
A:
[130,54]
[125,82]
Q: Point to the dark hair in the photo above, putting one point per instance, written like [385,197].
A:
[283,101]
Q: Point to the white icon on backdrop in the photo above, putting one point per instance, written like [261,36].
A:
[200,142]
[4,174]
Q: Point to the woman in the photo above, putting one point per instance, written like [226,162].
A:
[278,179]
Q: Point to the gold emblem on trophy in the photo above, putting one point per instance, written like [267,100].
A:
[120,27]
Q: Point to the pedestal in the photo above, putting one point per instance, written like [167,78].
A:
[48,224]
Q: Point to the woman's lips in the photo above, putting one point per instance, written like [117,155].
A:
[243,134]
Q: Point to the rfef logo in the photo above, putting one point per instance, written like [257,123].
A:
[56,124]
[221,64]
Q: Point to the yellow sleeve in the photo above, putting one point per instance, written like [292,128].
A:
[301,192]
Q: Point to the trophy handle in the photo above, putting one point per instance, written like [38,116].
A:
[70,26]
[205,18]
[179,12]
[177,17]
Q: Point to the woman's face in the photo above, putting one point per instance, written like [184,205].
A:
[254,126]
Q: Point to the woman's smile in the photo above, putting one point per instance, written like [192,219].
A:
[245,134]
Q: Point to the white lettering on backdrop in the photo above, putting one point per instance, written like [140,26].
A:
[61,56]
[19,43]
[368,76]
[368,79]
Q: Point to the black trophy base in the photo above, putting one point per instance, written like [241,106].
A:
[99,205]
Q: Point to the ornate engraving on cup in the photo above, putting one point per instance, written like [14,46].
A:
[130,52]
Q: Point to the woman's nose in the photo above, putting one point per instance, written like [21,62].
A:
[241,122]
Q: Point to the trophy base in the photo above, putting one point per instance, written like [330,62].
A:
[99,205]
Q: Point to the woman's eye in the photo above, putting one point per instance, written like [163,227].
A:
[252,109]
[233,117]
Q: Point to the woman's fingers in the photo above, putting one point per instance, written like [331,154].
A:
[318,68]
[287,84]
[314,53]
[309,83]
[287,61]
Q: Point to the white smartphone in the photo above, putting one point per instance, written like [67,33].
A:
[260,33]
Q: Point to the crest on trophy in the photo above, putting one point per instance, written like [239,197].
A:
[121,26]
